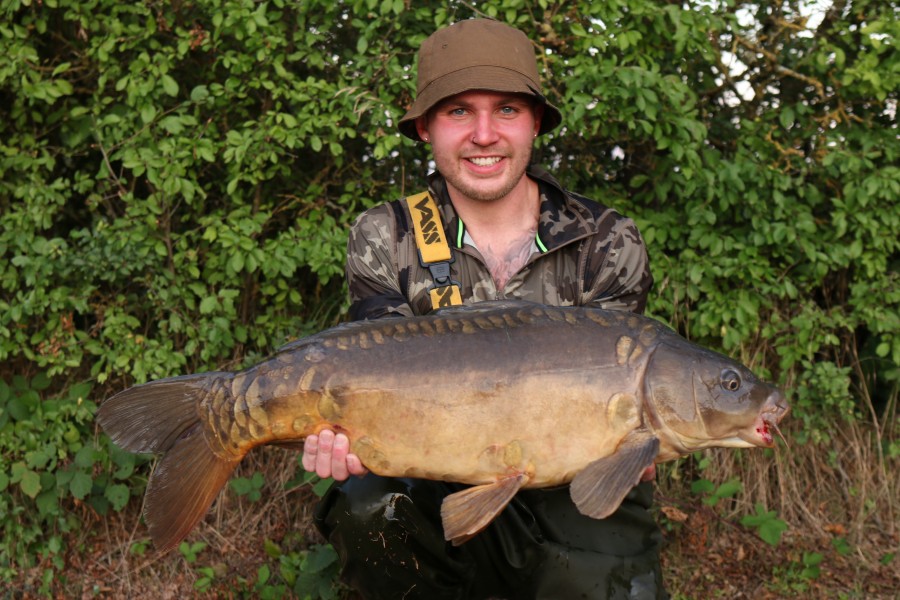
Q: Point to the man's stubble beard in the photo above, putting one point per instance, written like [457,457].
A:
[475,192]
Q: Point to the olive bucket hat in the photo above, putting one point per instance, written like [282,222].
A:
[476,54]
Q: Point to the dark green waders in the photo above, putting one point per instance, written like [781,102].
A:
[388,535]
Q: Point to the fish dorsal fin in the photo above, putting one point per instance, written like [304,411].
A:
[487,306]
[467,512]
[600,487]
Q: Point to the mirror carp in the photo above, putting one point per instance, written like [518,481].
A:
[499,395]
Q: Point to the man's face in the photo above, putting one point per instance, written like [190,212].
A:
[482,141]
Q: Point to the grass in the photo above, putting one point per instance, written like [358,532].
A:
[842,539]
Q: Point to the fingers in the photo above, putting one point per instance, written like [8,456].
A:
[328,454]
[337,462]
[355,466]
[322,459]
[310,450]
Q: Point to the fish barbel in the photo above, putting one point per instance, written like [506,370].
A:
[499,395]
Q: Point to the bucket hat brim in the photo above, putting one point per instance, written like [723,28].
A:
[484,78]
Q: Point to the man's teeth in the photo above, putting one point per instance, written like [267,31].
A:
[485,162]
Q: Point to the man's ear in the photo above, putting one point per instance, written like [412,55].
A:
[422,128]
[538,115]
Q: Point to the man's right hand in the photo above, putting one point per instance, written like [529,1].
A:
[328,455]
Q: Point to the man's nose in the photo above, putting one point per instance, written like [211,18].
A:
[484,130]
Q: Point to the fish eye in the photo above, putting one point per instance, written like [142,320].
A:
[731,381]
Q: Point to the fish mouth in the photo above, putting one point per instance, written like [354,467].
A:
[766,425]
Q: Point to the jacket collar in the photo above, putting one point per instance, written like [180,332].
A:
[564,217]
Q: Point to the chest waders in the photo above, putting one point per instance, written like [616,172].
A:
[390,540]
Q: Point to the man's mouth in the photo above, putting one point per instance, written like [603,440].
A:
[485,161]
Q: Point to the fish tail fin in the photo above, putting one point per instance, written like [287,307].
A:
[183,486]
[150,418]
[164,417]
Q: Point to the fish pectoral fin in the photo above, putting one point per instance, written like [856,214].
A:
[599,488]
[466,513]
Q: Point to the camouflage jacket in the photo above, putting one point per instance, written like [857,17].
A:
[584,254]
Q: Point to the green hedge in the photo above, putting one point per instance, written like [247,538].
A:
[176,182]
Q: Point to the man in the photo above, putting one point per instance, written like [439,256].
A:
[515,233]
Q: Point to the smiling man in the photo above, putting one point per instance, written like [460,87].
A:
[482,146]
[513,232]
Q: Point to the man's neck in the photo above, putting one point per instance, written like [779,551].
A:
[503,230]
[516,211]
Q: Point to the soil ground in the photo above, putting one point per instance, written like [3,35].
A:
[705,557]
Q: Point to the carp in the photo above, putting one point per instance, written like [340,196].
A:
[498,395]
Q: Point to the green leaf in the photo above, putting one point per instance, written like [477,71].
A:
[841,546]
[37,459]
[19,409]
[767,524]
[240,485]
[118,495]
[236,262]
[148,113]
[771,531]
[263,574]
[47,503]
[272,549]
[320,558]
[125,463]
[85,457]
[30,483]
[702,486]
[40,382]
[321,486]
[786,117]
[170,86]
[200,93]
[81,484]
[208,305]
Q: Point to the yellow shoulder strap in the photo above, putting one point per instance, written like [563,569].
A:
[434,251]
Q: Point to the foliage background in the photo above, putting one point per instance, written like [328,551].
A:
[176,182]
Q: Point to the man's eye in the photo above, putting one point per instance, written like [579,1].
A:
[508,110]
[458,112]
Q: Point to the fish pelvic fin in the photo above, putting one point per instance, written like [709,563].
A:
[599,488]
[466,513]
[164,417]
[182,487]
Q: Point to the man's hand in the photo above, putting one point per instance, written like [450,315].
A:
[329,456]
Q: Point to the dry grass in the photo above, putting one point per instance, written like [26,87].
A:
[847,484]
[115,559]
[848,491]
[840,501]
